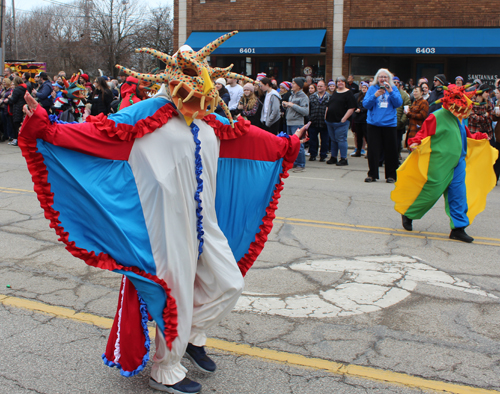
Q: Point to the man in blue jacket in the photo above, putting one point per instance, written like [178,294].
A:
[382,101]
[44,93]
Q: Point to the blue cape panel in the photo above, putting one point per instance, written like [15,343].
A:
[100,208]
[141,110]
[244,190]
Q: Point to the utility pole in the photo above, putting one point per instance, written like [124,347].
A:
[15,31]
[2,37]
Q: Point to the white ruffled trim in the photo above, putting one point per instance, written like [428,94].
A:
[170,374]
[198,338]
[117,352]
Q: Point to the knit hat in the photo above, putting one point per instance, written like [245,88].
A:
[331,83]
[459,77]
[441,78]
[260,76]
[365,84]
[286,85]
[85,76]
[485,87]
[396,79]
[222,81]
[299,81]
[249,86]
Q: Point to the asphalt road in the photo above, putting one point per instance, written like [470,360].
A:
[339,280]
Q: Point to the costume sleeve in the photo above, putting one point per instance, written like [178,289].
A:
[251,168]
[81,137]
[476,136]
[428,128]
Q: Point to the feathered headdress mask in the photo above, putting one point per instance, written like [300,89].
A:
[190,79]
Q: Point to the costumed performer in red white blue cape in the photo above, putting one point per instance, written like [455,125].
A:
[174,198]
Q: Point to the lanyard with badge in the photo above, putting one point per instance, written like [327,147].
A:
[383,101]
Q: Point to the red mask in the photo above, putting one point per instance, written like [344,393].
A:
[457,100]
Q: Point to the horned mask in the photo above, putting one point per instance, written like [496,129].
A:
[190,79]
[457,100]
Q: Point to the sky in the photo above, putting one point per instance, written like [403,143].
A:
[27,5]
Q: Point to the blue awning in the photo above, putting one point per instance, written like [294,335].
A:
[424,41]
[262,42]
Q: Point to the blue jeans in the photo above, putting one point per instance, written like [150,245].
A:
[338,136]
[301,158]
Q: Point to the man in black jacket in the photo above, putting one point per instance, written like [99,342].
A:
[44,93]
[437,93]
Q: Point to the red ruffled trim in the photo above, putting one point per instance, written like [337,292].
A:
[38,171]
[225,131]
[256,246]
[127,132]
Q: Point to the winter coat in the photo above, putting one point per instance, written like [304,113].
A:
[17,101]
[402,119]
[101,105]
[435,95]
[44,95]
[4,95]
[273,111]
[295,114]
[359,117]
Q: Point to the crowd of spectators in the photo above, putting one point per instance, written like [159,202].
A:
[102,96]
[381,117]
[382,112]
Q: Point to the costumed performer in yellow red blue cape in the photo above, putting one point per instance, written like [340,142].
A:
[177,200]
[448,160]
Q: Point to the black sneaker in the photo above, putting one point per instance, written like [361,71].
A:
[460,235]
[199,358]
[390,180]
[370,179]
[322,159]
[312,158]
[407,223]
[333,160]
[185,386]
[342,162]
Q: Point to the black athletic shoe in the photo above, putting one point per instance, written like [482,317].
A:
[460,235]
[322,159]
[407,223]
[312,159]
[370,179]
[342,162]
[390,180]
[199,358]
[185,386]
[333,160]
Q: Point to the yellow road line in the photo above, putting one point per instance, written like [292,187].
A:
[5,191]
[381,230]
[19,190]
[297,360]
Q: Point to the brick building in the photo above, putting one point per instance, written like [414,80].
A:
[332,37]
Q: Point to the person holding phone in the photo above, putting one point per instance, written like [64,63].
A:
[297,107]
[382,101]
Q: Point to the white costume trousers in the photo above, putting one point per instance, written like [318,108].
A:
[205,288]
